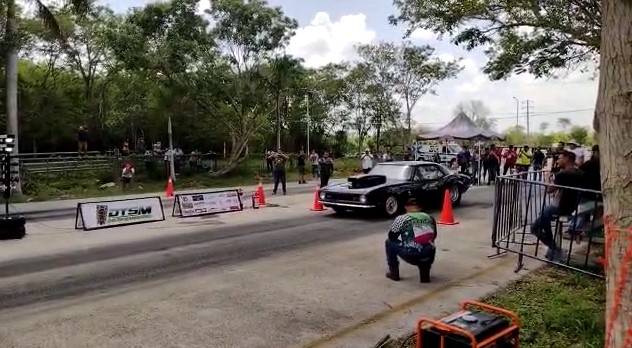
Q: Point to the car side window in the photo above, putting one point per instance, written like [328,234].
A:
[418,176]
[430,172]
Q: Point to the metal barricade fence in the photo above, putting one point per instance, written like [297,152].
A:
[521,198]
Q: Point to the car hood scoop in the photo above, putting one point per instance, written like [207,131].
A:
[364,181]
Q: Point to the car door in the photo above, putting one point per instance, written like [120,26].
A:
[432,178]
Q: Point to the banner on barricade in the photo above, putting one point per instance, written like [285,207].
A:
[97,215]
[206,203]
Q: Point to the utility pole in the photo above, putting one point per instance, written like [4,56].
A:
[278,122]
[528,104]
[517,111]
[308,119]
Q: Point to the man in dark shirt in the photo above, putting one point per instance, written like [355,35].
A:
[326,169]
[591,181]
[300,164]
[538,164]
[278,171]
[564,202]
[82,138]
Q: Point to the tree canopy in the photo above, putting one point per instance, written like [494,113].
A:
[518,36]
[222,77]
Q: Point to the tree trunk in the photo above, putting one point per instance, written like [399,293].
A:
[12,89]
[614,119]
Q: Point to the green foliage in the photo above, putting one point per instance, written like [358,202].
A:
[518,36]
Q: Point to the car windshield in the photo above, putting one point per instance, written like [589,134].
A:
[395,172]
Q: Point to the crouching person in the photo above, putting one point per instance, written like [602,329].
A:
[411,237]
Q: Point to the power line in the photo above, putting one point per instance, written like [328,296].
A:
[533,114]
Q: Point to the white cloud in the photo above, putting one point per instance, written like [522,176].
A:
[325,41]
[423,35]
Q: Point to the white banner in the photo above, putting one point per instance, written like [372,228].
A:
[196,204]
[95,215]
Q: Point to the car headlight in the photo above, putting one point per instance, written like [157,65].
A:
[363,199]
[322,195]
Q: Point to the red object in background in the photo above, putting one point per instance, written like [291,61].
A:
[169,190]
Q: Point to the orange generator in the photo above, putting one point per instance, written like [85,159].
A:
[476,325]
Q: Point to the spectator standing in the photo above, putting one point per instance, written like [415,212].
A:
[278,171]
[326,166]
[493,164]
[524,161]
[510,157]
[538,164]
[367,161]
[269,161]
[313,159]
[300,164]
[82,139]
[127,175]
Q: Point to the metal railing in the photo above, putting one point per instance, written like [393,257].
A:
[520,199]
[64,162]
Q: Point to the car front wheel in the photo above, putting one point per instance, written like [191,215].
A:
[455,195]
[391,206]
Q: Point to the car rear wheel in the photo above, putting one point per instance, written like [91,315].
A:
[455,195]
[391,206]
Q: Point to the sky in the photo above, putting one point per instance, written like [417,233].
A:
[329,30]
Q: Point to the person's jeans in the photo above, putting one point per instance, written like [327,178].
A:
[315,171]
[542,229]
[279,177]
[324,180]
[537,175]
[493,171]
[410,255]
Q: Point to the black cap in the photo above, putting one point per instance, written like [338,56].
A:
[595,148]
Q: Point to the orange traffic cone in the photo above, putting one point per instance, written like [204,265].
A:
[169,190]
[260,196]
[447,216]
[317,206]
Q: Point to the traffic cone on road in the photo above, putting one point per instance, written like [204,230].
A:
[260,196]
[447,216]
[317,206]
[169,190]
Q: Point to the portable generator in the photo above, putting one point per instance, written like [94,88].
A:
[476,325]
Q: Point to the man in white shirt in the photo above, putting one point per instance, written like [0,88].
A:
[367,161]
[579,152]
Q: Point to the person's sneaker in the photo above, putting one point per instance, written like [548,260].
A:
[393,275]
[554,255]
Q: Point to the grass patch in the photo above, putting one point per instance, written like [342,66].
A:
[59,186]
[557,308]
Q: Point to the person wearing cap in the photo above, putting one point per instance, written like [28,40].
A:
[563,203]
[127,175]
[411,237]
[578,151]
[524,160]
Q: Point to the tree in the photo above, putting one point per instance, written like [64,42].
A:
[11,48]
[564,123]
[250,32]
[516,136]
[357,101]
[519,36]
[579,134]
[478,112]
[544,126]
[613,121]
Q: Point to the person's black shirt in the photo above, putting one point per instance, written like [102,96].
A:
[569,198]
[300,161]
[592,177]
[538,158]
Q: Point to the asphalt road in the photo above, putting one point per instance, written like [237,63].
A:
[55,277]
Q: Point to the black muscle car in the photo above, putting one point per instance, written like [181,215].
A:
[388,185]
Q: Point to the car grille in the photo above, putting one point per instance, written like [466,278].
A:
[342,197]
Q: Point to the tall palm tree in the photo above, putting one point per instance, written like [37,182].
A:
[11,60]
